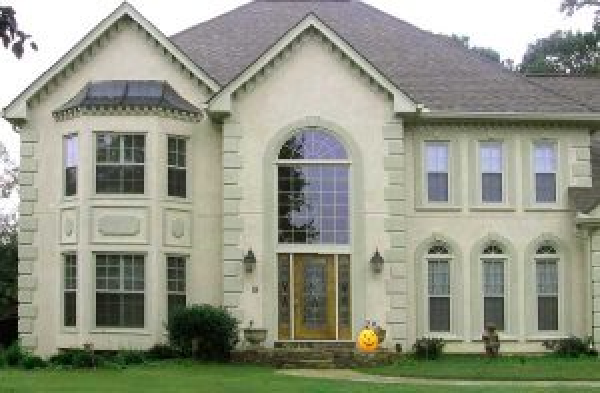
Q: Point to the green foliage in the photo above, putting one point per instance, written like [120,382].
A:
[203,331]
[75,358]
[428,348]
[488,53]
[571,6]
[162,352]
[31,362]
[14,354]
[564,52]
[133,357]
[10,33]
[572,347]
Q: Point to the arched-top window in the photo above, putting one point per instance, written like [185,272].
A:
[493,269]
[312,144]
[438,286]
[313,195]
[547,286]
[438,247]
[493,247]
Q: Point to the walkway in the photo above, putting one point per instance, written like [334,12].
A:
[350,375]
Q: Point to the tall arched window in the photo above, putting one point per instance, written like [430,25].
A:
[438,286]
[546,277]
[493,260]
[312,189]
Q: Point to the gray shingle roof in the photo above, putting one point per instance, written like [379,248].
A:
[584,89]
[129,93]
[431,69]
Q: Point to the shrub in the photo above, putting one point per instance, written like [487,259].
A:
[14,354]
[162,352]
[203,331]
[31,362]
[63,358]
[132,357]
[428,348]
[571,346]
[76,358]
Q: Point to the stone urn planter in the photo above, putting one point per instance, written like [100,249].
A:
[255,337]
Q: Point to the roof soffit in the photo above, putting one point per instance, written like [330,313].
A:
[17,109]
[221,102]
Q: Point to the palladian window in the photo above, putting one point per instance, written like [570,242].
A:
[312,190]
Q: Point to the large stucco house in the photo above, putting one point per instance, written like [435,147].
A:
[374,170]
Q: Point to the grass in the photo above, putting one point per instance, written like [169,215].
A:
[475,367]
[182,377]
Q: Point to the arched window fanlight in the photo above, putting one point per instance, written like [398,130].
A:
[493,248]
[546,248]
[439,248]
[312,144]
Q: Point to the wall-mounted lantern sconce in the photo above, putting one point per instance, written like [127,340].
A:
[377,262]
[249,261]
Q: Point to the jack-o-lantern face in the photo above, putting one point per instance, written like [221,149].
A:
[367,340]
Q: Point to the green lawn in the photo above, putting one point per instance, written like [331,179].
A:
[190,377]
[476,367]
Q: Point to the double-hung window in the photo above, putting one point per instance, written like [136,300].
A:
[176,171]
[545,171]
[546,273]
[70,290]
[436,163]
[120,284]
[176,284]
[71,158]
[493,293]
[438,287]
[491,163]
[120,163]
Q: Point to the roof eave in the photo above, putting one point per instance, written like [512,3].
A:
[525,116]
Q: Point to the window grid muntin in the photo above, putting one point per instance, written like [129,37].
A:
[124,154]
[545,164]
[70,290]
[437,162]
[312,144]
[177,166]
[120,283]
[71,161]
[176,283]
[491,161]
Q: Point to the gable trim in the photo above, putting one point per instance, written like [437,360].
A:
[222,101]
[17,109]
[530,116]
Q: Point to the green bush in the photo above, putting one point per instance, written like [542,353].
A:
[75,358]
[63,358]
[162,352]
[428,348]
[203,331]
[571,346]
[31,362]
[132,357]
[14,354]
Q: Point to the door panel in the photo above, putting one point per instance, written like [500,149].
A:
[314,297]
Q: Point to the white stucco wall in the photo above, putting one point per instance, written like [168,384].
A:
[199,213]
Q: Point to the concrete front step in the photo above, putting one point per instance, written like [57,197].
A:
[316,345]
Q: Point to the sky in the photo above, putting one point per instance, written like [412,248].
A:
[508,26]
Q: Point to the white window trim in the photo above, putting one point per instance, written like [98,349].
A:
[533,200]
[63,328]
[166,291]
[92,288]
[480,172]
[507,284]
[188,168]
[65,137]
[425,173]
[147,168]
[452,333]
[559,295]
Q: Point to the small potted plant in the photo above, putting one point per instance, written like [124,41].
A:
[255,336]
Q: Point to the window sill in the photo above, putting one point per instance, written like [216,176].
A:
[181,201]
[69,330]
[445,336]
[549,208]
[546,337]
[506,338]
[126,331]
[438,208]
[99,197]
[70,199]
[492,208]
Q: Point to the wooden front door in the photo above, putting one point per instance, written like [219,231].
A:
[314,297]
